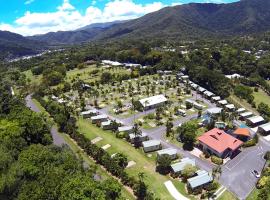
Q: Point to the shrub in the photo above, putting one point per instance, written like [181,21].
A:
[217,160]
[251,142]
[267,155]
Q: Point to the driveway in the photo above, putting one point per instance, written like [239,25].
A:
[236,174]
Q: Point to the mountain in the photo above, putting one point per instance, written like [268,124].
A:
[197,20]
[77,36]
[14,45]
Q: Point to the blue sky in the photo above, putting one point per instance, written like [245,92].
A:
[30,17]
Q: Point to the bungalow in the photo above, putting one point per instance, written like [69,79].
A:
[169,151]
[208,94]
[200,180]
[142,137]
[99,119]
[194,86]
[218,142]
[107,125]
[264,129]
[255,121]
[215,99]
[214,111]
[222,102]
[230,107]
[198,106]
[185,77]
[240,110]
[179,166]
[151,145]
[89,113]
[153,102]
[125,129]
[245,115]
[181,112]
[201,89]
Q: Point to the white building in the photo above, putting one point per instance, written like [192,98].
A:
[264,129]
[179,166]
[89,113]
[151,145]
[169,151]
[125,129]
[246,115]
[255,120]
[153,102]
[99,119]
[141,138]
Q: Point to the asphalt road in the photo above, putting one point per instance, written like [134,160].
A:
[57,138]
[236,175]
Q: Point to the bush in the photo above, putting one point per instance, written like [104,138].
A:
[251,142]
[267,155]
[217,160]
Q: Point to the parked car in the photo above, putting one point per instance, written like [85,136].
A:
[256,173]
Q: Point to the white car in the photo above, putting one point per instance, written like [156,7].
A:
[256,173]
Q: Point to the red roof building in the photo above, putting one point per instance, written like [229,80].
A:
[218,142]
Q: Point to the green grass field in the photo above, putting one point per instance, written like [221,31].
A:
[33,79]
[144,163]
[227,196]
[253,195]
[261,96]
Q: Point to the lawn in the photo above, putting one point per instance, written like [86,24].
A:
[227,196]
[253,195]
[143,163]
[241,103]
[33,78]
[261,96]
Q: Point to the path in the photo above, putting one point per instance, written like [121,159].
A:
[57,138]
[174,192]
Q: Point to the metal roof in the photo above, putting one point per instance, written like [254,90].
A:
[125,128]
[216,98]
[241,110]
[223,102]
[178,167]
[88,112]
[246,114]
[199,180]
[150,101]
[99,117]
[169,151]
[215,110]
[151,143]
[265,127]
[106,123]
[132,135]
[230,106]
[255,119]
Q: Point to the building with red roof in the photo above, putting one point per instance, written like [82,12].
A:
[218,142]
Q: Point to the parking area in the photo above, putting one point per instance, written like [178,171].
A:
[237,174]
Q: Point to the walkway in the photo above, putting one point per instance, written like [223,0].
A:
[174,192]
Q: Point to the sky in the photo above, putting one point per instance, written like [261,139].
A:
[31,17]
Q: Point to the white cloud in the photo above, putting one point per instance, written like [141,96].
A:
[29,2]
[66,17]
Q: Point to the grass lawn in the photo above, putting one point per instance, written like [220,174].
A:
[227,196]
[261,96]
[144,163]
[33,79]
[253,195]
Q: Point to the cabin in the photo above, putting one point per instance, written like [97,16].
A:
[106,125]
[178,167]
[264,129]
[125,129]
[245,115]
[230,107]
[169,151]
[214,111]
[181,112]
[222,103]
[89,113]
[141,138]
[219,143]
[207,94]
[215,98]
[201,90]
[198,106]
[151,145]
[240,110]
[255,121]
[98,119]
[201,179]
[153,102]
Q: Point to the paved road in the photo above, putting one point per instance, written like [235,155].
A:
[236,174]
[57,138]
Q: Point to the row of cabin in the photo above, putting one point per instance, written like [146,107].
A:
[195,104]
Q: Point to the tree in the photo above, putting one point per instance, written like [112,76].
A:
[169,126]
[106,77]
[163,164]
[121,160]
[188,171]
[187,134]
[137,132]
